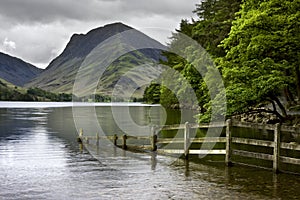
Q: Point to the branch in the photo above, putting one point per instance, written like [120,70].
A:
[282,108]
[261,110]
[273,104]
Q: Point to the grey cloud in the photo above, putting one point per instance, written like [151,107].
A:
[28,11]
[166,7]
[42,28]
[31,11]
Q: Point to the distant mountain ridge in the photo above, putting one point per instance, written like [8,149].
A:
[60,74]
[17,71]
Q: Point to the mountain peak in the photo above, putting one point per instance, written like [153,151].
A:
[116,27]
[60,75]
[81,45]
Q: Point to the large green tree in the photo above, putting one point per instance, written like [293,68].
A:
[262,56]
[211,27]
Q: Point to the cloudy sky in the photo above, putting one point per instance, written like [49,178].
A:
[38,30]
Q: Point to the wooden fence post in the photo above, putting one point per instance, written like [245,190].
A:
[124,137]
[80,132]
[80,138]
[153,138]
[186,139]
[228,142]
[276,152]
[97,139]
[115,139]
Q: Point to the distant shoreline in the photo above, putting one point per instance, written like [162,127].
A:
[35,104]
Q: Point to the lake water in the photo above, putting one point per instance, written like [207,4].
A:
[41,159]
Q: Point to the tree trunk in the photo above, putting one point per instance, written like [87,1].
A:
[281,107]
[289,96]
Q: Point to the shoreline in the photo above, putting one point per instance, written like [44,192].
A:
[39,104]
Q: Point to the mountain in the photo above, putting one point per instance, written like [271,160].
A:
[16,71]
[100,60]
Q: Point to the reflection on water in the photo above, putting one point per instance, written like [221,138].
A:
[40,159]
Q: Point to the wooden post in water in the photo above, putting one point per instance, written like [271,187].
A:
[124,137]
[115,139]
[80,132]
[153,138]
[228,143]
[186,139]
[80,138]
[97,139]
[276,152]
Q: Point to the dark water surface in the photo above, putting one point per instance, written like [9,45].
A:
[40,159]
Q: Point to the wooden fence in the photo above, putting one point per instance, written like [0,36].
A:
[228,140]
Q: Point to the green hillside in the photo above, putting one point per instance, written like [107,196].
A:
[10,92]
[80,60]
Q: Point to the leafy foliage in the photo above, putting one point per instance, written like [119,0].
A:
[255,45]
[213,25]
[215,17]
[262,59]
[152,93]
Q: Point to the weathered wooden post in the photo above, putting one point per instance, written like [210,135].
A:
[79,139]
[186,139]
[153,138]
[124,137]
[97,139]
[276,152]
[228,142]
[115,139]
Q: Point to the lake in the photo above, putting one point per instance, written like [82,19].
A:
[41,159]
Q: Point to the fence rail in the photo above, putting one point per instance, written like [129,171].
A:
[229,140]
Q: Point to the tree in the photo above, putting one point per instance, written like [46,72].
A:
[262,56]
[152,93]
[212,26]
